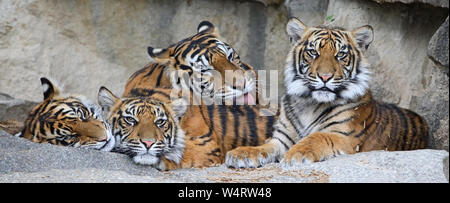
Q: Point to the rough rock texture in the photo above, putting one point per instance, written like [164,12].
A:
[438,3]
[86,44]
[269,2]
[24,161]
[446,172]
[14,109]
[438,47]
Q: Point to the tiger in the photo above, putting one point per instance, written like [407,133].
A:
[153,130]
[202,58]
[327,109]
[67,120]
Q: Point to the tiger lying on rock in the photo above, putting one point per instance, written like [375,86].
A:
[328,109]
[66,120]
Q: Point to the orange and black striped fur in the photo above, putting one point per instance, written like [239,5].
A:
[209,130]
[199,63]
[11,126]
[67,120]
[328,109]
[200,134]
[152,75]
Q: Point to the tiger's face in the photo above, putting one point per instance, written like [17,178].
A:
[207,61]
[326,63]
[67,120]
[144,128]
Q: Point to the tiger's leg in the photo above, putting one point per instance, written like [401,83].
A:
[284,136]
[252,157]
[166,165]
[319,146]
[257,156]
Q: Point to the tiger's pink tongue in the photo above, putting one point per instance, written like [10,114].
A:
[248,100]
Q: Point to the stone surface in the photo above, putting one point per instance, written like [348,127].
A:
[269,2]
[24,161]
[438,3]
[14,109]
[87,44]
[446,172]
[438,46]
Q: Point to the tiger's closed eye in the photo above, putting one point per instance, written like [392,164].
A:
[80,114]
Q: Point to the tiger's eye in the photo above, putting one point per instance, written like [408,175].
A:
[160,122]
[341,54]
[130,120]
[313,52]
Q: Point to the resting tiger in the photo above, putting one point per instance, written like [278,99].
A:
[67,120]
[328,109]
[201,57]
[151,129]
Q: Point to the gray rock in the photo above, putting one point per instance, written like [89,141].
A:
[446,168]
[438,47]
[24,161]
[310,12]
[437,3]
[14,109]
[269,2]
[87,44]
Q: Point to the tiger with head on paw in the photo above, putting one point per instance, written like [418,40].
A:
[328,109]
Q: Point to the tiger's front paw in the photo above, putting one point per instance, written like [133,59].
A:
[297,156]
[248,157]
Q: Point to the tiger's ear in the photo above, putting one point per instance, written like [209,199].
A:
[159,55]
[49,89]
[206,27]
[363,36]
[295,30]
[106,99]
[179,107]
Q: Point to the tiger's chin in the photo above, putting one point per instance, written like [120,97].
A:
[108,145]
[146,159]
[323,96]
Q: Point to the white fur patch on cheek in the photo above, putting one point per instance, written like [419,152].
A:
[358,88]
[323,96]
[296,88]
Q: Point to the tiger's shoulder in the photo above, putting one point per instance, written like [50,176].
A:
[152,75]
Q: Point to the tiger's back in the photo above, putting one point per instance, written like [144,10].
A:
[153,75]
[389,127]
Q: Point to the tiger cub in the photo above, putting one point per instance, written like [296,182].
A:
[67,120]
[327,109]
